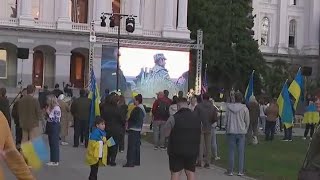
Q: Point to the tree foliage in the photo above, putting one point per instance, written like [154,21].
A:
[230,51]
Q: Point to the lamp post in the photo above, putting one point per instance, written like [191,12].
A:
[130,27]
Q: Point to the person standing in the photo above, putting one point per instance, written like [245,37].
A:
[193,103]
[10,155]
[4,105]
[80,109]
[123,107]
[207,114]
[30,115]
[272,113]
[114,126]
[254,111]
[174,106]
[43,97]
[237,124]
[135,124]
[57,92]
[53,129]
[65,115]
[161,113]
[183,130]
[263,116]
[311,119]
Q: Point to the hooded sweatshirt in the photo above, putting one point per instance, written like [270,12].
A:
[238,119]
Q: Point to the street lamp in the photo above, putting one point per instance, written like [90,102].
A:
[130,27]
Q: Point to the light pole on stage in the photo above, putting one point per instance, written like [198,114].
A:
[130,27]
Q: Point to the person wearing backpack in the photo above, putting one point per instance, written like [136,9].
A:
[160,112]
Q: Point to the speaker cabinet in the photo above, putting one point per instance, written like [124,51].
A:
[23,53]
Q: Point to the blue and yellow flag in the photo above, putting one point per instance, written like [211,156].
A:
[249,90]
[285,107]
[35,152]
[296,88]
[95,98]
[311,116]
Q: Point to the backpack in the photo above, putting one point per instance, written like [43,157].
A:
[163,110]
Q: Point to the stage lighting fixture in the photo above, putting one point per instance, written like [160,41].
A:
[112,21]
[103,21]
[130,24]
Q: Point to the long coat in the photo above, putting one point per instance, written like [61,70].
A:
[65,117]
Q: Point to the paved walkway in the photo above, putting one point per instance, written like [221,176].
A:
[154,166]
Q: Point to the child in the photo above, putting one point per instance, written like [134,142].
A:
[97,149]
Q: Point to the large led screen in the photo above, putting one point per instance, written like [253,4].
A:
[145,71]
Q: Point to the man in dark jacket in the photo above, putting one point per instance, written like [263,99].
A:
[80,109]
[57,92]
[183,130]
[207,114]
[43,97]
[4,105]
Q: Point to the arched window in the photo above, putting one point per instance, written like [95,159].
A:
[79,11]
[116,8]
[265,31]
[292,33]
[36,9]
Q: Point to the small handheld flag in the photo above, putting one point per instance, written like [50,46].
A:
[35,152]
[249,90]
[111,142]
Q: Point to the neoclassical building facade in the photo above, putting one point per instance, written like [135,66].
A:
[56,32]
[288,30]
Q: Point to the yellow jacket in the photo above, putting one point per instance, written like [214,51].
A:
[92,155]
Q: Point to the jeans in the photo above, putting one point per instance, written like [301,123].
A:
[263,121]
[158,133]
[53,130]
[270,129]
[205,147]
[133,151]
[236,141]
[214,144]
[94,171]
[81,127]
[121,140]
[287,133]
[18,135]
[309,127]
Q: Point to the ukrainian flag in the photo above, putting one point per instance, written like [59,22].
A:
[285,107]
[311,116]
[35,152]
[95,98]
[249,90]
[296,87]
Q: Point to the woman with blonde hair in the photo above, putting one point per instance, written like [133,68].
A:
[53,112]
[65,118]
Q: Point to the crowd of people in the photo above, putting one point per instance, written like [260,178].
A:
[183,127]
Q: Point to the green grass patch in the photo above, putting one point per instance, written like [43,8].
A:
[274,160]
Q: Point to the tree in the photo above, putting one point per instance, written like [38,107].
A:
[230,51]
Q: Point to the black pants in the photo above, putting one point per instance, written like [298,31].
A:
[94,171]
[81,127]
[113,151]
[133,151]
[309,127]
[287,133]
[18,135]
[269,130]
[121,140]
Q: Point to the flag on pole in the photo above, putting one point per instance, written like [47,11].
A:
[249,90]
[95,98]
[285,107]
[204,86]
[296,88]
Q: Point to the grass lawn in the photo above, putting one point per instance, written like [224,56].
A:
[275,160]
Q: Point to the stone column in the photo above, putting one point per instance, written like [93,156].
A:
[25,18]
[313,46]
[62,67]
[135,10]
[283,27]
[183,15]
[64,21]
[168,16]
[25,66]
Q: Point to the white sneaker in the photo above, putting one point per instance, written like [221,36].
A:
[155,148]
[310,138]
[304,138]
[64,143]
[217,158]
[230,174]
[240,174]
[52,164]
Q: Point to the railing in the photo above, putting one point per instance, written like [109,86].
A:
[9,21]
[45,25]
[80,27]
[150,33]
